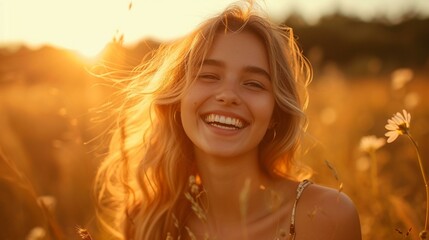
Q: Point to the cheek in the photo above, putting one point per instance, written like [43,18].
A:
[193,97]
[189,107]
[188,103]
[265,110]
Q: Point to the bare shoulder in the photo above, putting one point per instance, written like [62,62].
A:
[325,213]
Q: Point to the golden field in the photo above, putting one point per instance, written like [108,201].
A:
[53,136]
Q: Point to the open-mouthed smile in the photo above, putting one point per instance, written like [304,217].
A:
[225,122]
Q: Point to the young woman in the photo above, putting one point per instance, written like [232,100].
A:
[207,141]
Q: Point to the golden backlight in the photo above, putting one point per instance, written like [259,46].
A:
[57,108]
[87,26]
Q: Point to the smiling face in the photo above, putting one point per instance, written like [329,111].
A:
[227,110]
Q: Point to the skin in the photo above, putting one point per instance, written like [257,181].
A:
[234,82]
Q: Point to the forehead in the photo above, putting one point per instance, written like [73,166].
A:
[244,47]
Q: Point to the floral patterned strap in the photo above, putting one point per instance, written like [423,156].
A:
[302,185]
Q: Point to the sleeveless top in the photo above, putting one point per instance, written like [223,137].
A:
[302,185]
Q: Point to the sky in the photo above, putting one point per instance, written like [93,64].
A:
[87,25]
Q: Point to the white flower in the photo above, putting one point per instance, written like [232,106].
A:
[371,143]
[400,77]
[398,125]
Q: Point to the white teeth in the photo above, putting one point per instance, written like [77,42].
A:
[228,121]
[222,119]
[215,119]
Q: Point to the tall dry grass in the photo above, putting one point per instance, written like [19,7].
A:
[47,133]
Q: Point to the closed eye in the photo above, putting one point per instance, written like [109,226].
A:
[208,76]
[255,85]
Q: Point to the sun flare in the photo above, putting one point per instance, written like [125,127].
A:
[90,51]
[87,26]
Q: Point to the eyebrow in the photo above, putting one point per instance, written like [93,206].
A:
[250,69]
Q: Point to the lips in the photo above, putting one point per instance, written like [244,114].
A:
[225,122]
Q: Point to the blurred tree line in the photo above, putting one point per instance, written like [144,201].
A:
[356,46]
[351,42]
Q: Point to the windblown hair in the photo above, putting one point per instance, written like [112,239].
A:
[140,185]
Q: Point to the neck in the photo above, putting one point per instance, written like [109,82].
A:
[235,188]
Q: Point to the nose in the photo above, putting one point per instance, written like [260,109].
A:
[228,95]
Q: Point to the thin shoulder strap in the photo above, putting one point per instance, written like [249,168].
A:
[302,185]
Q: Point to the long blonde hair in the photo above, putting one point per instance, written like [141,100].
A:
[141,183]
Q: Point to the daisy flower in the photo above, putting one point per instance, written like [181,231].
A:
[371,143]
[398,125]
